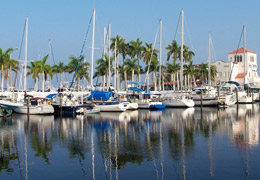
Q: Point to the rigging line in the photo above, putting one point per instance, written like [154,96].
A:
[81,52]
[20,51]
[189,34]
[236,53]
[148,67]
[177,27]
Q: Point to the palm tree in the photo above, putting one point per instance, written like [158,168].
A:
[60,68]
[187,54]
[77,63]
[173,50]
[11,65]
[131,66]
[213,72]
[136,50]
[203,72]
[189,72]
[122,48]
[154,67]
[34,71]
[4,56]
[173,69]
[44,69]
[149,53]
[103,68]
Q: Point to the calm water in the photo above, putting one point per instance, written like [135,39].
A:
[171,144]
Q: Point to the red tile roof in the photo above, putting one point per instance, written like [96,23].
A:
[240,75]
[241,50]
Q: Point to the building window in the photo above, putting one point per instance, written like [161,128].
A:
[240,58]
[252,59]
[235,58]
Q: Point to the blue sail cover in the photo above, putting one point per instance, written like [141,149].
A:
[100,95]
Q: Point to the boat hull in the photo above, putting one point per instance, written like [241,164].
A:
[151,105]
[39,109]
[179,103]
[112,106]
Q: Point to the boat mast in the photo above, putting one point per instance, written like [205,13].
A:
[109,74]
[104,53]
[181,49]
[25,53]
[245,58]
[92,49]
[160,59]
[209,59]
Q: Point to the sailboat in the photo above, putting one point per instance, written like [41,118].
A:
[206,96]
[178,99]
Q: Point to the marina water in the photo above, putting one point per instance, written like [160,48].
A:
[191,143]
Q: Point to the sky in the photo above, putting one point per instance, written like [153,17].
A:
[65,23]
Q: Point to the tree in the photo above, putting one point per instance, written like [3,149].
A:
[187,54]
[60,68]
[149,53]
[173,50]
[44,69]
[136,50]
[154,67]
[34,71]
[189,72]
[172,69]
[102,68]
[11,65]
[4,56]
[131,66]
[203,72]
[122,48]
[74,63]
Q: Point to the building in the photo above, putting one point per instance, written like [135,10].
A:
[223,71]
[234,69]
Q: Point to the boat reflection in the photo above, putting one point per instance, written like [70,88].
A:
[157,139]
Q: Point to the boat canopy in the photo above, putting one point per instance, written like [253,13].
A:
[135,89]
[100,95]
[233,82]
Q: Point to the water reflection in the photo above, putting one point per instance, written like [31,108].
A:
[154,144]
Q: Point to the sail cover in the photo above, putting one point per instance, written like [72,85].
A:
[100,95]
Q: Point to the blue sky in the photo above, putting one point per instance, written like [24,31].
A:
[65,23]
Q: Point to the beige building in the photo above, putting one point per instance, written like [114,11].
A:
[234,69]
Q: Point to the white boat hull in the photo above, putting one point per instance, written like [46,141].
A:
[178,102]
[117,107]
[39,109]
[206,102]
[133,106]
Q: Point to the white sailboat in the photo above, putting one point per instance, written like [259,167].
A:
[206,96]
[178,99]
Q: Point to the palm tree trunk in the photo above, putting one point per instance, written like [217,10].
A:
[60,80]
[163,83]
[11,78]
[103,82]
[178,83]
[43,79]
[2,76]
[173,82]
[7,80]
[125,78]
[35,84]
[133,75]
[108,82]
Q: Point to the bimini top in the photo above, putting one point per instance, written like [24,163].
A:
[135,89]
[100,95]
[233,82]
